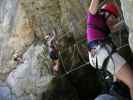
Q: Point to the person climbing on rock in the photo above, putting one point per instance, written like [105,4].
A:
[53,52]
[101,22]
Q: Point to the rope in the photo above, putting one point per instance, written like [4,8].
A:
[68,72]
[80,53]
[62,62]
[122,46]
[73,55]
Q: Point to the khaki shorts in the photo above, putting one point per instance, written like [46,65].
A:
[101,53]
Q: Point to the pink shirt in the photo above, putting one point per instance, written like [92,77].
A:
[96,27]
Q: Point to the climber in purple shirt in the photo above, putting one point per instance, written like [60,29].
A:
[100,22]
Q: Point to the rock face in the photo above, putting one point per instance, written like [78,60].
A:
[127,12]
[5,92]
[7,18]
[23,26]
[32,76]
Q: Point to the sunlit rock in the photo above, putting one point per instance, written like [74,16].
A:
[32,76]
[128,13]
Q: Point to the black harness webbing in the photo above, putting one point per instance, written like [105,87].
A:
[106,61]
[103,73]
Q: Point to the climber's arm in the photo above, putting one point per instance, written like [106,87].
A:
[93,6]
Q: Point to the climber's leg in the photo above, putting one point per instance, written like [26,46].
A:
[125,74]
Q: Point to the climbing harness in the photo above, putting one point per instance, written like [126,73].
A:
[104,76]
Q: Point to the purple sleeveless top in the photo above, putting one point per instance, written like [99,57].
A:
[96,28]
